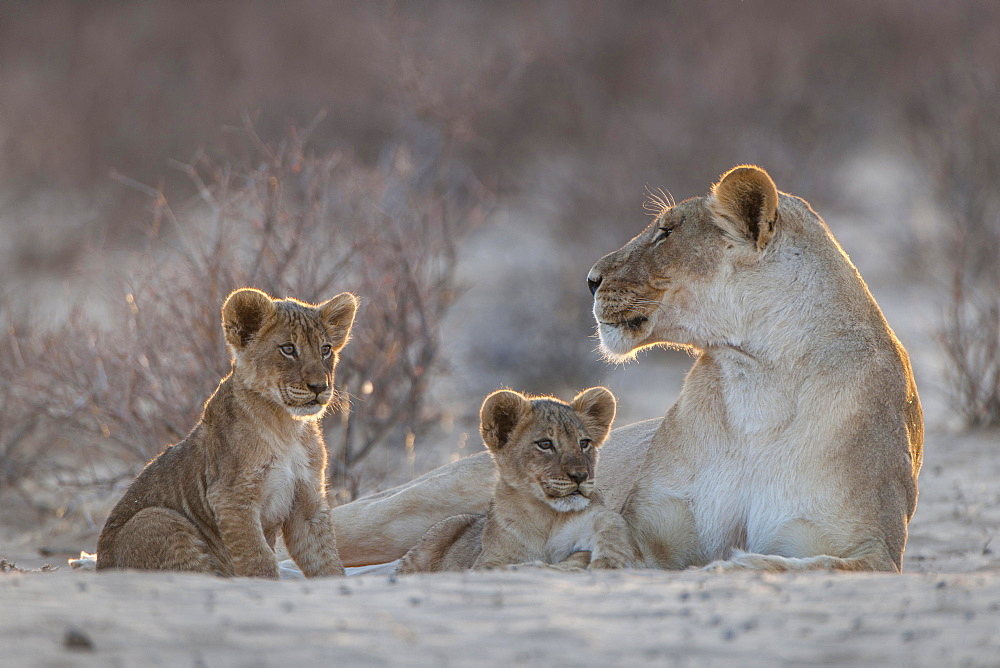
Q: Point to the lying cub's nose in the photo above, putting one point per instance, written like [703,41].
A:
[577,476]
[594,283]
[319,388]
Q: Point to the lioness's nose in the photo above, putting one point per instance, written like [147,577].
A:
[593,282]
[318,388]
[577,476]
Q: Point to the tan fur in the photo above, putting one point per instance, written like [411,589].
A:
[254,464]
[797,438]
[545,506]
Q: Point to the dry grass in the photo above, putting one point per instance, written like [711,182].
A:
[959,148]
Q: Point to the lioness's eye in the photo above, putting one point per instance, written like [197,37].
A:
[288,350]
[585,444]
[326,350]
[662,234]
[543,445]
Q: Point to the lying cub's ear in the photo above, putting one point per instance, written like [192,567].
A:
[745,204]
[338,313]
[500,413]
[597,408]
[243,314]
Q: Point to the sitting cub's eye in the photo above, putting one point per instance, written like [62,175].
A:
[662,234]
[585,444]
[326,350]
[544,446]
[288,350]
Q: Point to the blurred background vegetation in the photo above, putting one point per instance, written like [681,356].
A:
[461,166]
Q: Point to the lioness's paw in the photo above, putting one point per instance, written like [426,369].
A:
[745,561]
[721,567]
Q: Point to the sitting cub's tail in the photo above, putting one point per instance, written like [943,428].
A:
[287,570]
[86,562]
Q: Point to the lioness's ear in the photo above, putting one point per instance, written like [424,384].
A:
[745,204]
[243,314]
[338,313]
[500,413]
[597,408]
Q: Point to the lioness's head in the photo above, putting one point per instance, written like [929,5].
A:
[546,447]
[286,349]
[718,270]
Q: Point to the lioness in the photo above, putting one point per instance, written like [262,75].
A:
[545,506]
[255,462]
[797,437]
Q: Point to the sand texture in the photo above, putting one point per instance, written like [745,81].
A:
[944,610]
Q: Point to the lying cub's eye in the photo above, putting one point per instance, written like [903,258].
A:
[585,444]
[544,445]
[662,234]
[326,350]
[288,350]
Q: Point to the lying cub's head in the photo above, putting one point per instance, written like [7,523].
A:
[286,349]
[546,447]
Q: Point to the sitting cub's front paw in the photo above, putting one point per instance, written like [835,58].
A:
[261,568]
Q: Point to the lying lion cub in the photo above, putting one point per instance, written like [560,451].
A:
[545,507]
[254,464]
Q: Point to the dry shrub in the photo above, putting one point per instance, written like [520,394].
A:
[110,389]
[959,147]
[970,337]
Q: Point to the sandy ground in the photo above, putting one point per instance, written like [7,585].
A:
[945,610]
[624,618]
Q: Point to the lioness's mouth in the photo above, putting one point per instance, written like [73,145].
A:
[631,323]
[636,322]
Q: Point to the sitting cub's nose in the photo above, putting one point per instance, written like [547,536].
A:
[593,284]
[577,476]
[320,388]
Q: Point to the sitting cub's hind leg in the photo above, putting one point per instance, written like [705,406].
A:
[158,539]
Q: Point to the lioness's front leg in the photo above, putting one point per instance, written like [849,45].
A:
[801,545]
[238,518]
[662,528]
[309,534]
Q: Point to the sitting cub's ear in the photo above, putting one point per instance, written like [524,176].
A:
[745,204]
[338,313]
[243,314]
[500,413]
[597,408]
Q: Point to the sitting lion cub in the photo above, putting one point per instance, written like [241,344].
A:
[254,464]
[545,507]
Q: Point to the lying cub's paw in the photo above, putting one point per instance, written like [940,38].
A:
[608,563]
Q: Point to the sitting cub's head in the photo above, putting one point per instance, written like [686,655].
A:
[286,349]
[546,447]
